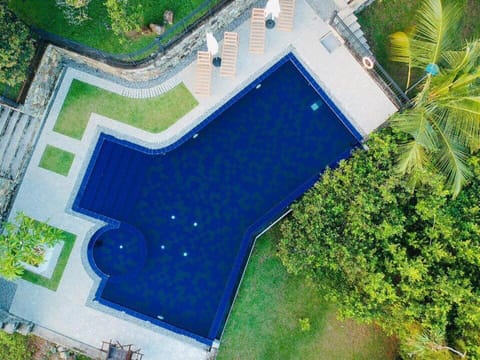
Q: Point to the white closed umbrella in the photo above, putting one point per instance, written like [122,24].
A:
[212,44]
[272,8]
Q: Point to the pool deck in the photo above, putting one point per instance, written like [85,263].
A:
[45,195]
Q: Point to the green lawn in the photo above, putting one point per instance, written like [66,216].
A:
[95,31]
[153,114]
[56,160]
[264,323]
[9,92]
[383,18]
[52,283]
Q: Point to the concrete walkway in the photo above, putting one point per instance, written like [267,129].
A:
[45,195]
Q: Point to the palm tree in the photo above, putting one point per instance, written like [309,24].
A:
[444,119]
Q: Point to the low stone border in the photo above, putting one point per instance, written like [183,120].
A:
[143,82]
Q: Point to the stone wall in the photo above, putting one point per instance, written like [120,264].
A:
[183,53]
[164,66]
[43,83]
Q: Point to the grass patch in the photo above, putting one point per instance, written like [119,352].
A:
[56,160]
[96,32]
[152,114]
[383,18]
[9,92]
[264,323]
[52,283]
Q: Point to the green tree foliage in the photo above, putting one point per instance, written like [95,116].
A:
[123,16]
[407,260]
[75,11]
[24,241]
[14,347]
[444,122]
[16,48]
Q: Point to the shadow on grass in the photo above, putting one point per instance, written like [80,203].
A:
[264,323]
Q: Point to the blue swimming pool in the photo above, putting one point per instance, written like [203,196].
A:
[182,219]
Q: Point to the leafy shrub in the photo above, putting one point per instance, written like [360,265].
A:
[123,16]
[14,347]
[16,48]
[24,241]
[406,260]
[75,11]
[304,324]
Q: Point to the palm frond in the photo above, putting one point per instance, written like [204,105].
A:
[436,26]
[412,158]
[415,122]
[463,123]
[468,105]
[464,60]
[451,157]
[400,51]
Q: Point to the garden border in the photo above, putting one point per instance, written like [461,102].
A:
[53,282]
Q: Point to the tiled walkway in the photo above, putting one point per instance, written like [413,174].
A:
[48,196]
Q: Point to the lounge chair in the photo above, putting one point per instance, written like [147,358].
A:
[257,31]
[229,54]
[287,15]
[203,78]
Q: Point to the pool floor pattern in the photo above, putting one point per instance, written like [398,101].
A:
[188,208]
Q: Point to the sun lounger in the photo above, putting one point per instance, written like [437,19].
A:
[257,31]
[287,15]
[203,78]
[229,54]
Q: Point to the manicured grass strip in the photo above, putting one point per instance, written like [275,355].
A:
[152,114]
[264,323]
[56,160]
[52,283]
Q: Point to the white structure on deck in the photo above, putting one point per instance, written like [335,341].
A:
[45,195]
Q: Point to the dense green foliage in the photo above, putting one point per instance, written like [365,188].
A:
[123,16]
[16,48]
[53,282]
[96,31]
[24,241]
[75,11]
[280,316]
[382,18]
[444,122]
[407,260]
[14,347]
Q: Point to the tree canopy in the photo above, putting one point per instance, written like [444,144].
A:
[444,122]
[406,260]
[24,241]
[124,17]
[16,48]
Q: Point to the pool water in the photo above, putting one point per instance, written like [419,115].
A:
[181,220]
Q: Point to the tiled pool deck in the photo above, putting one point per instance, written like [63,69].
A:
[45,195]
